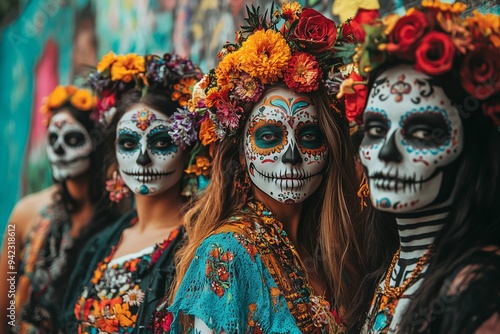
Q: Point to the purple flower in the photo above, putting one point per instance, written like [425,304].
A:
[182,130]
[333,83]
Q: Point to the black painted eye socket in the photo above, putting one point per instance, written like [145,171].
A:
[310,136]
[162,142]
[268,136]
[127,142]
[426,129]
[74,139]
[52,138]
[376,126]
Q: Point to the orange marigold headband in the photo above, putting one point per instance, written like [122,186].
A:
[81,99]
[305,51]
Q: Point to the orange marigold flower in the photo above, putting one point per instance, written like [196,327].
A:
[71,89]
[303,73]
[455,8]
[106,61]
[83,100]
[265,54]
[291,11]
[126,66]
[207,132]
[228,70]
[57,98]
[212,97]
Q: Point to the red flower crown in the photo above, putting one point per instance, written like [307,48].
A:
[438,40]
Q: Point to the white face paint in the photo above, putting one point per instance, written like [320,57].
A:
[149,161]
[413,133]
[285,150]
[69,146]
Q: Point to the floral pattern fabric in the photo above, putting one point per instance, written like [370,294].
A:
[42,270]
[247,278]
[112,300]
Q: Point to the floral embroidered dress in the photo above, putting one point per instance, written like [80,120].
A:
[248,278]
[43,272]
[112,300]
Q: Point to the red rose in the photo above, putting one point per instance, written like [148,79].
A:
[434,55]
[407,33]
[480,72]
[492,110]
[314,31]
[353,31]
[355,102]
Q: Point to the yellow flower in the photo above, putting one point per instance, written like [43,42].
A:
[57,98]
[228,70]
[291,11]
[126,67]
[455,8]
[106,61]
[82,100]
[488,25]
[265,55]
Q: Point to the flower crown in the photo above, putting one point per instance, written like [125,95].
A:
[304,52]
[438,40]
[81,99]
[173,74]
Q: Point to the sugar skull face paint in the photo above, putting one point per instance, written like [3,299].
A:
[413,134]
[285,149]
[149,161]
[69,146]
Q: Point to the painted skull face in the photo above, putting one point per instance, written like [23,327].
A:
[149,161]
[413,134]
[69,146]
[285,150]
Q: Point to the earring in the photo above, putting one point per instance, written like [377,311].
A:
[364,191]
[116,188]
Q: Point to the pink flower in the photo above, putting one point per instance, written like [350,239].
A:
[116,188]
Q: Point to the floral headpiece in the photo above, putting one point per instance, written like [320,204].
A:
[438,40]
[173,74]
[304,52]
[81,99]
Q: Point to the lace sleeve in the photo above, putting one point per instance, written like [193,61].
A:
[228,288]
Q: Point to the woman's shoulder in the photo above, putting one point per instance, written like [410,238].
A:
[27,211]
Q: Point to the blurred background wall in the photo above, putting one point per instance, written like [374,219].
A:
[44,43]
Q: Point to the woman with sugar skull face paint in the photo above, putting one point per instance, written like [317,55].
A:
[431,152]
[274,239]
[52,226]
[123,274]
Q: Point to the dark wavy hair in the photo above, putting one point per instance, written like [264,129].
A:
[473,222]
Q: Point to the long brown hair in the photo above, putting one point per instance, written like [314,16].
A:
[331,222]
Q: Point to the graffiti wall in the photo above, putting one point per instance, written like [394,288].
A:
[51,42]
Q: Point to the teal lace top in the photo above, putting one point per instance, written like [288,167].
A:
[248,278]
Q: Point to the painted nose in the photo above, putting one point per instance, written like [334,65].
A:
[390,152]
[144,159]
[58,150]
[292,155]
